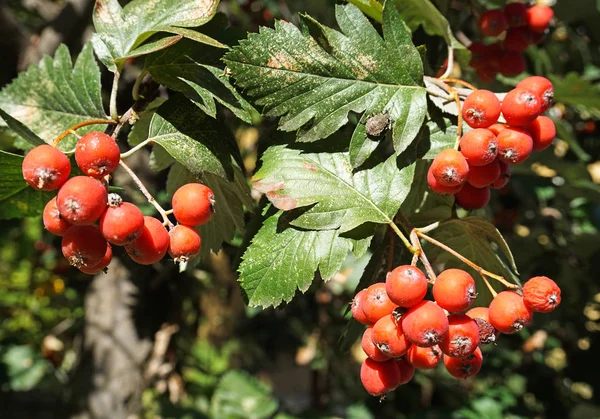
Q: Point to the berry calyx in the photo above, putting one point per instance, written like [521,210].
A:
[389,338]
[82,200]
[100,266]
[151,245]
[424,358]
[406,285]
[376,303]
[83,246]
[52,219]
[46,168]
[193,204]
[464,367]
[479,146]
[370,349]
[521,106]
[482,176]
[542,132]
[425,324]
[450,168]
[440,189]
[97,154]
[357,308]
[454,290]
[508,312]
[541,294]
[184,244]
[379,378]
[121,224]
[541,86]
[504,177]
[538,17]
[492,22]
[471,198]
[481,109]
[514,145]
[462,338]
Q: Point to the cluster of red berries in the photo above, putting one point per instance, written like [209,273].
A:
[405,331]
[521,25]
[489,148]
[89,219]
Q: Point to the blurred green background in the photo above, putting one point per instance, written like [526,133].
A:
[221,359]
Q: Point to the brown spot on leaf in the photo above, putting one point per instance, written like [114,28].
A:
[309,166]
[266,187]
[282,202]
[280,60]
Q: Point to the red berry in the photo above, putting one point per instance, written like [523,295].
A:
[376,303]
[492,22]
[440,189]
[370,348]
[504,176]
[53,222]
[464,367]
[83,246]
[496,128]
[517,40]
[97,154]
[379,378]
[82,200]
[481,109]
[407,371]
[514,145]
[542,132]
[521,106]
[486,74]
[357,307]
[424,358]
[541,86]
[406,285]
[425,324]
[389,338]
[454,290]
[487,332]
[538,17]
[482,176]
[46,168]
[450,168]
[151,245]
[512,64]
[122,224]
[462,338]
[515,14]
[541,294]
[193,204]
[479,146]
[185,243]
[471,198]
[508,312]
[100,266]
[478,54]
[479,313]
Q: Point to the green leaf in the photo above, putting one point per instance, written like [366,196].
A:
[239,395]
[194,70]
[192,138]
[283,258]
[479,241]
[338,197]
[141,128]
[577,92]
[423,12]
[121,31]
[17,199]
[313,82]
[25,367]
[54,95]
[20,129]
[371,8]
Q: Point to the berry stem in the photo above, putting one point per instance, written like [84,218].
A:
[147,194]
[487,283]
[114,114]
[80,125]
[415,240]
[454,95]
[459,81]
[136,148]
[465,260]
[409,246]
[414,260]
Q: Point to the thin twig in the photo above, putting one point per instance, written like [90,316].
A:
[454,95]
[80,125]
[114,113]
[135,91]
[136,148]
[422,256]
[459,81]
[405,241]
[450,64]
[487,283]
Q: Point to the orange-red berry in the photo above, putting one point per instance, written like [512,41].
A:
[370,349]
[122,224]
[514,145]
[407,371]
[100,266]
[471,198]
[515,14]
[151,245]
[389,338]
[440,189]
[454,290]
[496,128]
[193,204]
[481,109]
[479,146]
[517,40]
[504,177]
[376,302]
[486,74]
[379,378]
[46,168]
[97,154]
[425,324]
[508,312]
[482,176]
[521,106]
[464,367]
[450,168]
[542,132]
[479,313]
[406,285]
[541,86]
[185,243]
[462,338]
[512,64]
[53,222]
[541,294]
[82,200]
[492,22]
[357,308]
[424,358]
[83,246]
[538,17]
